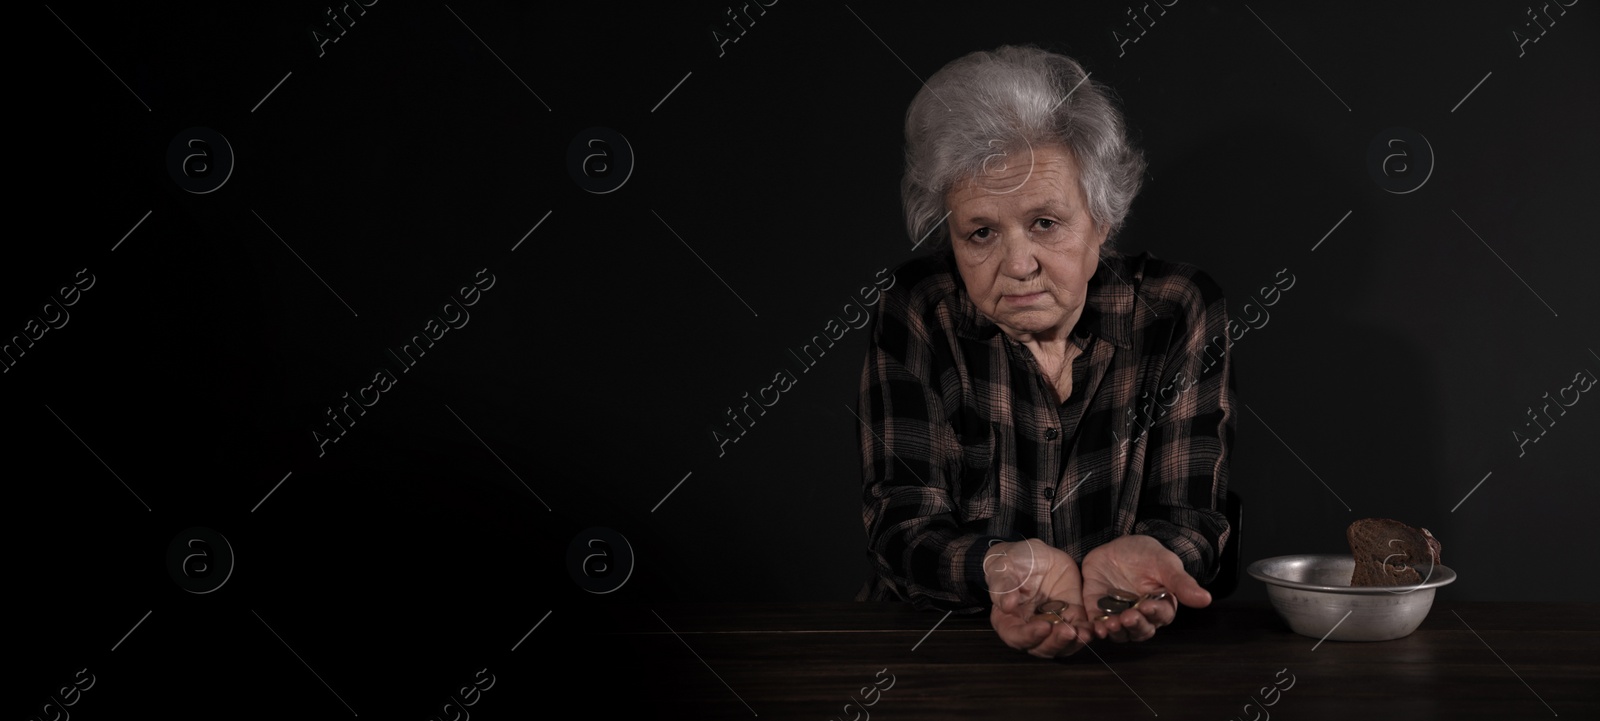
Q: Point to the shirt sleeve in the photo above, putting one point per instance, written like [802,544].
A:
[1186,474]
[911,460]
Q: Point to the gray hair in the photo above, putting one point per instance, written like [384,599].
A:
[988,102]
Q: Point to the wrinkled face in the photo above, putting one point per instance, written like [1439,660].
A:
[1024,242]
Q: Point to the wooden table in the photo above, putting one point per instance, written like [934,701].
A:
[1468,660]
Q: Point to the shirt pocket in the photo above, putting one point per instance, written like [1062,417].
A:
[977,489]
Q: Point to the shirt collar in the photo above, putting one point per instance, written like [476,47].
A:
[1107,310]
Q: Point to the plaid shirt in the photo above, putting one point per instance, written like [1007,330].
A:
[963,443]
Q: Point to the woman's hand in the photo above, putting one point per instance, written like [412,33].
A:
[1022,576]
[1142,565]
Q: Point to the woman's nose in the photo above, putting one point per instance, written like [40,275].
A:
[1017,259]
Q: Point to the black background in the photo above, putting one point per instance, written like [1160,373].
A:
[764,194]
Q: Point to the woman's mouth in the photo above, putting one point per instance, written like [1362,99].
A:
[1022,298]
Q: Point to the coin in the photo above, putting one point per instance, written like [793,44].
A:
[1123,596]
[1053,607]
[1157,596]
[1105,617]
[1111,604]
[1050,617]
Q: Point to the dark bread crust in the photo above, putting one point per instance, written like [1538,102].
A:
[1390,553]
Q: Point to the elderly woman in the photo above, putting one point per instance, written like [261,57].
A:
[1046,422]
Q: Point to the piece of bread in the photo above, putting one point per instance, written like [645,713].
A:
[1391,553]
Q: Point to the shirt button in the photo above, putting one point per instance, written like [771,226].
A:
[1050,434]
[1050,492]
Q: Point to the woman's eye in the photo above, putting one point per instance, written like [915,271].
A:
[981,234]
[1045,223]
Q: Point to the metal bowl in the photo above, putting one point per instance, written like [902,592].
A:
[1312,592]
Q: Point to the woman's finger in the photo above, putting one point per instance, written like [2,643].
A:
[1138,625]
[1061,641]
